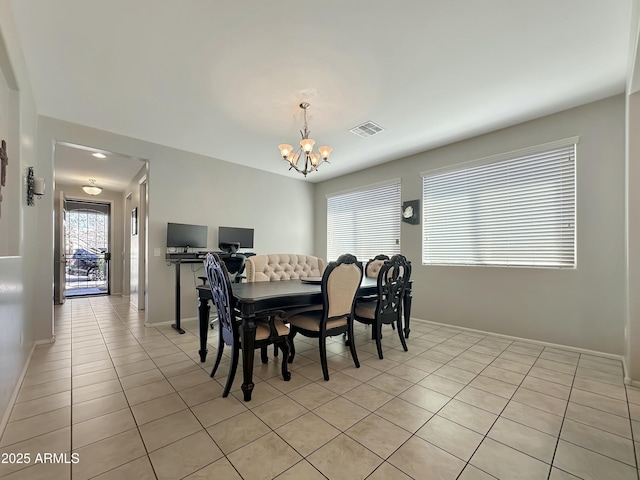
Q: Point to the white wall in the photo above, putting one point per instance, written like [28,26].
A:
[633,237]
[19,283]
[133,244]
[187,188]
[582,307]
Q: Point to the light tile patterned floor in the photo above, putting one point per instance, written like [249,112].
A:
[135,402]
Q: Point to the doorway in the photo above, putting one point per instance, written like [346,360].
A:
[86,248]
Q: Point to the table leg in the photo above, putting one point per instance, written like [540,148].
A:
[203,318]
[406,305]
[177,324]
[247,339]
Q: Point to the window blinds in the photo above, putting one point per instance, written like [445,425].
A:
[515,212]
[364,223]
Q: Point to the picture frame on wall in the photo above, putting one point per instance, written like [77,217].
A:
[411,212]
[134,222]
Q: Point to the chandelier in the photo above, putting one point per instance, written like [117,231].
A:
[92,189]
[304,160]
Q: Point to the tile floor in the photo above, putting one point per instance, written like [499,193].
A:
[135,402]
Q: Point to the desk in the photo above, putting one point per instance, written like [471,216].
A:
[256,297]
[177,262]
[195,257]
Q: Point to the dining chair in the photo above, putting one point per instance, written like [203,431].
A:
[270,329]
[340,282]
[393,278]
[374,265]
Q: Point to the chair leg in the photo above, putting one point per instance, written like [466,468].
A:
[352,346]
[219,355]
[275,350]
[402,340]
[284,346]
[322,344]
[292,347]
[235,353]
[263,355]
[377,327]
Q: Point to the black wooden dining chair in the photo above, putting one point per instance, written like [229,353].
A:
[393,278]
[374,265]
[269,330]
[340,282]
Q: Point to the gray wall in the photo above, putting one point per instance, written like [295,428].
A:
[187,188]
[582,307]
[19,279]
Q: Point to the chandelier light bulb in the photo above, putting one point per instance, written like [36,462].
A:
[285,150]
[325,152]
[307,144]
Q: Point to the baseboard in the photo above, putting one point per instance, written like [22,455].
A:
[535,342]
[16,390]
[631,383]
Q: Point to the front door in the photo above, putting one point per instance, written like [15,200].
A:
[87,248]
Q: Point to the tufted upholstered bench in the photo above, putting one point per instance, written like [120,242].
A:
[282,266]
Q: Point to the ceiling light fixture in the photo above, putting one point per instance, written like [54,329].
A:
[311,160]
[92,189]
[99,155]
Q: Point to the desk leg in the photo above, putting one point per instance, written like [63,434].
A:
[406,305]
[247,339]
[177,324]
[203,317]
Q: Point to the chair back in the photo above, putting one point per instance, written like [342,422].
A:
[374,265]
[235,263]
[393,278]
[283,266]
[220,286]
[340,283]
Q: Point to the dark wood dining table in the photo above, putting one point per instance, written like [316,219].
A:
[258,297]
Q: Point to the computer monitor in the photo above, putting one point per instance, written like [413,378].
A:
[243,236]
[182,235]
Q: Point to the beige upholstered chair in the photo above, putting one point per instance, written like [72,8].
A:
[374,265]
[340,283]
[282,266]
[393,278]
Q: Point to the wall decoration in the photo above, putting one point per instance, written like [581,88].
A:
[134,221]
[4,161]
[30,199]
[411,212]
[35,187]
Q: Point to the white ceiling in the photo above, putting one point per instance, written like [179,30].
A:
[224,79]
[75,165]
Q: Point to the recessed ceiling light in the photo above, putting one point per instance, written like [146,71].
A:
[99,155]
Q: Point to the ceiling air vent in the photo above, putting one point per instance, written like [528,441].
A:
[367,129]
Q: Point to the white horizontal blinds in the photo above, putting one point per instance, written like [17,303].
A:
[364,223]
[515,212]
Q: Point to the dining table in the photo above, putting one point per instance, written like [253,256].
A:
[253,299]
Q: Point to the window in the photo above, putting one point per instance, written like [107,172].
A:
[516,209]
[364,223]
